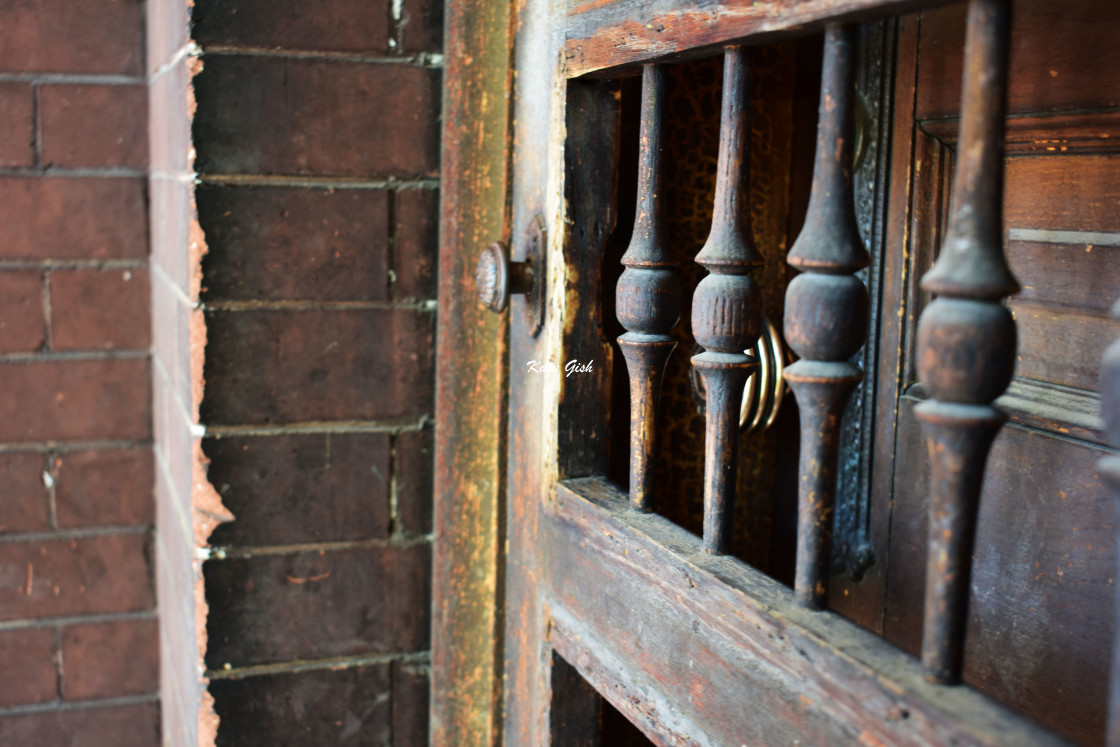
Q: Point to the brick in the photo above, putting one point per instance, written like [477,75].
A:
[327,26]
[293,366]
[100,309]
[61,36]
[110,659]
[415,455]
[28,654]
[60,400]
[123,726]
[307,244]
[105,487]
[421,26]
[306,709]
[410,704]
[312,605]
[94,126]
[417,246]
[17,134]
[22,327]
[73,218]
[275,115]
[24,505]
[301,489]
[85,576]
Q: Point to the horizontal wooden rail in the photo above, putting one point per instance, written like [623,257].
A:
[651,620]
[605,34]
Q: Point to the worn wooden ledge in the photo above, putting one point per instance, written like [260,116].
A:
[753,667]
[605,34]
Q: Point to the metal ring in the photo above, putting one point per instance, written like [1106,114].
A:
[764,390]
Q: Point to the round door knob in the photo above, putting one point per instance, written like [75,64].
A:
[498,278]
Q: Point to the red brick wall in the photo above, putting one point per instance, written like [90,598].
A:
[316,134]
[78,628]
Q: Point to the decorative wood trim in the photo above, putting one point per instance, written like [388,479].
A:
[826,315]
[723,627]
[1057,134]
[727,305]
[648,295]
[966,341]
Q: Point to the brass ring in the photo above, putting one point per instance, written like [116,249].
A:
[764,390]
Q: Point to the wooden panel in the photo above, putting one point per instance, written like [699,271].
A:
[1061,199]
[1062,210]
[1074,193]
[1039,632]
[1059,69]
[1061,346]
[1077,276]
[608,33]
[667,633]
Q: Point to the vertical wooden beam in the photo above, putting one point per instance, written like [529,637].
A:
[648,296]
[826,315]
[966,340]
[471,353]
[1110,474]
[726,309]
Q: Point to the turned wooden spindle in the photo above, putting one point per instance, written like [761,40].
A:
[826,315]
[966,341]
[726,308]
[1109,468]
[647,297]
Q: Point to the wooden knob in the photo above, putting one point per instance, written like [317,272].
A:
[497,278]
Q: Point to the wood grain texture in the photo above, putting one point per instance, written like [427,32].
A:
[470,382]
[1040,480]
[610,33]
[666,632]
[533,403]
[1048,71]
[1040,611]
[1110,472]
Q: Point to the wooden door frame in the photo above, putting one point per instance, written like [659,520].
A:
[490,686]
[471,355]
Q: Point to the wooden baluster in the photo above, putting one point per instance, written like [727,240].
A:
[826,315]
[726,309]
[966,341]
[648,296]
[1109,468]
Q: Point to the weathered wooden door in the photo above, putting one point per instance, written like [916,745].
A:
[606,599]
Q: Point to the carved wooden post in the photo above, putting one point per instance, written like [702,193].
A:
[1110,473]
[826,315]
[966,341]
[726,309]
[648,296]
